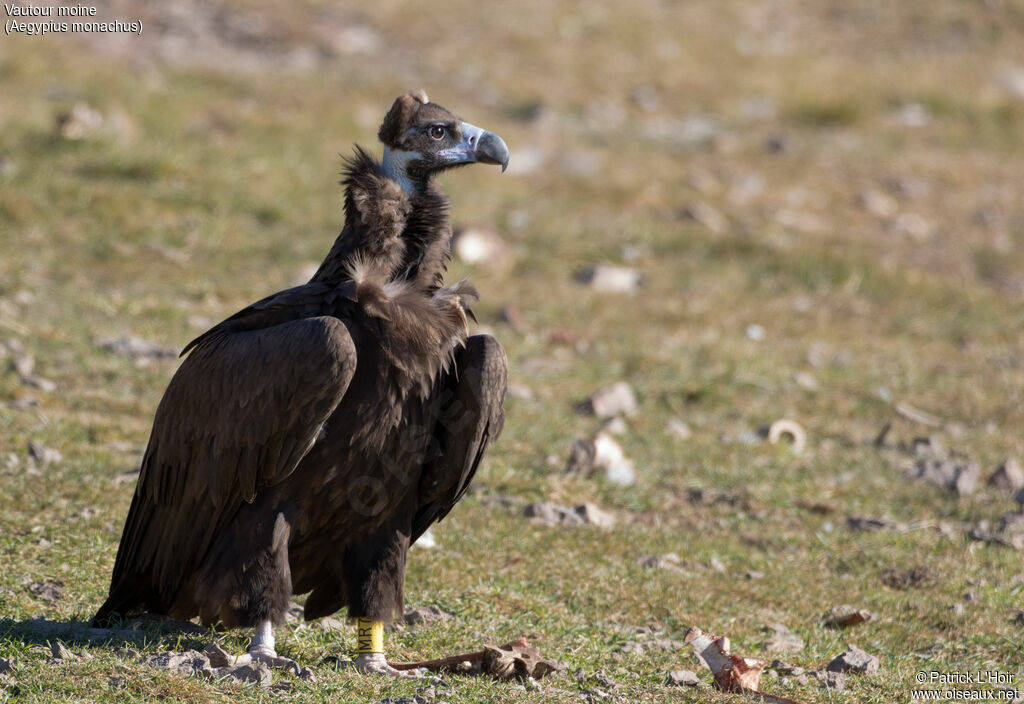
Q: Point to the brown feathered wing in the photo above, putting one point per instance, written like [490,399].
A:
[242,410]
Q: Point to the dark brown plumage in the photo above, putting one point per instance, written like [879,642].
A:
[306,441]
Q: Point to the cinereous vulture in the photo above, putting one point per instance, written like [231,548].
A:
[308,440]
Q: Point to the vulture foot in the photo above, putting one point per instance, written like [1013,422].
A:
[269,657]
[376,664]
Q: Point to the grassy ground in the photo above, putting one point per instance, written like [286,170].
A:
[865,161]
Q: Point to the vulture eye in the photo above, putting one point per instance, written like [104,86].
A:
[437,132]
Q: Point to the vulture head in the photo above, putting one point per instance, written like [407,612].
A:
[421,138]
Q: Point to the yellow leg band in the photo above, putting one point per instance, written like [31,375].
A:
[369,636]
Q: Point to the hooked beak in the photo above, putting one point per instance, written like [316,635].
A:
[478,145]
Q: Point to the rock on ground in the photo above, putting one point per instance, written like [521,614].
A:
[844,616]
[43,455]
[707,216]
[910,578]
[47,591]
[830,679]
[253,672]
[782,640]
[669,561]
[601,453]
[682,678]
[137,348]
[1008,477]
[854,660]
[552,514]
[426,614]
[610,401]
[872,524]
[959,477]
[190,662]
[481,246]
[608,278]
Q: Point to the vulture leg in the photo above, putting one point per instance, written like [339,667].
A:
[259,595]
[262,644]
[462,417]
[375,574]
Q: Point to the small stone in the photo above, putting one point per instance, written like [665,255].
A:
[42,455]
[844,616]
[40,383]
[956,476]
[754,574]
[609,278]
[60,652]
[6,665]
[957,609]
[854,660]
[81,122]
[25,403]
[217,656]
[257,672]
[1011,79]
[806,381]
[663,645]
[913,115]
[755,333]
[782,640]
[682,678]
[610,401]
[47,591]
[913,225]
[912,578]
[784,668]
[707,216]
[601,453]
[591,514]
[871,524]
[481,246]
[330,624]
[551,514]
[669,561]
[678,429]
[137,348]
[520,392]
[830,679]
[1008,477]
[631,647]
[190,662]
[426,614]
[616,426]
[878,203]
[24,364]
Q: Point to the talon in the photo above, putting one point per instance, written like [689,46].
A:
[377,664]
[262,653]
[266,655]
